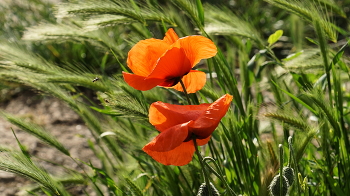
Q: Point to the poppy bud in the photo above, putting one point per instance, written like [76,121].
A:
[203,190]
[275,186]
[288,172]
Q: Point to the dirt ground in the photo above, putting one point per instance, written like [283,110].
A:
[60,121]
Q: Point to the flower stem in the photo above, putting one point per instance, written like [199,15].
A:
[292,158]
[185,91]
[200,158]
[281,169]
[219,174]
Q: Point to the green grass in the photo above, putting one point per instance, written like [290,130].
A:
[295,84]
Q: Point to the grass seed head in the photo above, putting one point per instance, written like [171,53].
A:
[275,186]
[203,190]
[288,172]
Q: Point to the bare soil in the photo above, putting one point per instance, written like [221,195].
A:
[58,119]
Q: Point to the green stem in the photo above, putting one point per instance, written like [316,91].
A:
[218,174]
[324,54]
[87,175]
[200,158]
[292,158]
[281,169]
[185,91]
[273,56]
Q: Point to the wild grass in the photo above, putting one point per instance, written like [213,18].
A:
[286,84]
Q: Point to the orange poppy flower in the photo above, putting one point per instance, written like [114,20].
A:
[177,123]
[156,62]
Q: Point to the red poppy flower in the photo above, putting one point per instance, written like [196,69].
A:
[156,62]
[177,123]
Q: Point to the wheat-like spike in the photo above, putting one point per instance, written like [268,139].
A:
[14,54]
[273,157]
[89,7]
[5,149]
[222,21]
[67,179]
[331,5]
[59,33]
[307,61]
[209,92]
[99,21]
[291,121]
[35,80]
[327,110]
[133,187]
[18,163]
[126,105]
[82,110]
[189,7]
[52,84]
[35,130]
[294,7]
[121,8]
[79,80]
[308,10]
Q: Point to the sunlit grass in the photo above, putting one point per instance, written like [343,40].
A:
[286,84]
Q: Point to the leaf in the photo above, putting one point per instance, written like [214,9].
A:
[297,99]
[200,11]
[22,147]
[102,175]
[335,186]
[107,133]
[292,56]
[337,58]
[275,37]
[107,111]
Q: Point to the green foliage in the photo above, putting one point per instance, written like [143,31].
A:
[291,85]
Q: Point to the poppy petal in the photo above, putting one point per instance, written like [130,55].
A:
[170,36]
[209,120]
[197,47]
[201,142]
[165,115]
[179,156]
[173,64]
[142,58]
[193,81]
[169,139]
[140,82]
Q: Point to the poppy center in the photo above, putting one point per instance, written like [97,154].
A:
[189,137]
[170,82]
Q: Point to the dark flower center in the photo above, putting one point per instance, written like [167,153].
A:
[170,82]
[189,137]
